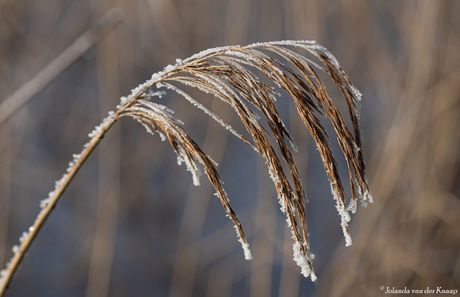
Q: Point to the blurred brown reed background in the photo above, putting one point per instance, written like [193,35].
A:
[132,223]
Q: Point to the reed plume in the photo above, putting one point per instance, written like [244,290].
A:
[231,75]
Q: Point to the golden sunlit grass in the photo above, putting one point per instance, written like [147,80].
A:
[231,75]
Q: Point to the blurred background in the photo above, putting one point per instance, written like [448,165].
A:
[132,223]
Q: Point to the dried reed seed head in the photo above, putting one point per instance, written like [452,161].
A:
[230,74]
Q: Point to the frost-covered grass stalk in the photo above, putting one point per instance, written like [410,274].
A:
[231,75]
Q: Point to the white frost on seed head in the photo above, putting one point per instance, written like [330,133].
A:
[169,68]
[303,260]
[368,196]
[347,236]
[244,245]
[356,93]
[247,251]
[282,202]
[360,194]
[273,173]
[191,166]
[340,206]
[353,206]
[208,52]
[151,93]
[344,216]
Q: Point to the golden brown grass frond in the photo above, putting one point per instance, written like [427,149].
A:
[157,117]
[231,75]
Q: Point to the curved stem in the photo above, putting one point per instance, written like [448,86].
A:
[28,237]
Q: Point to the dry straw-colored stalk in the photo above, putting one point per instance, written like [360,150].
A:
[230,74]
